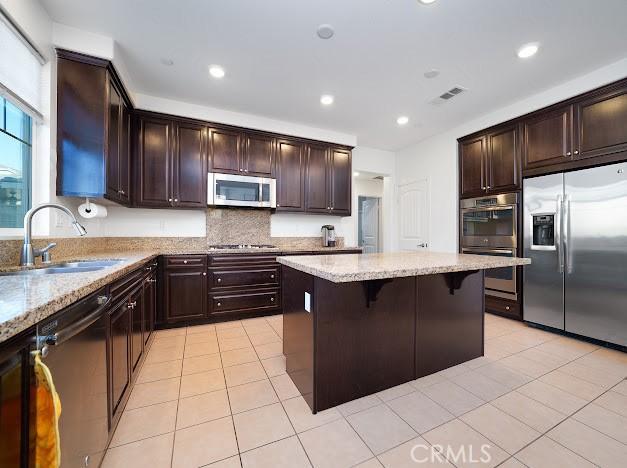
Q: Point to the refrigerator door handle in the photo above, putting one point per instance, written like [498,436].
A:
[568,263]
[558,233]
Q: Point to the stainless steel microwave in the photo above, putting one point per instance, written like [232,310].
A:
[240,190]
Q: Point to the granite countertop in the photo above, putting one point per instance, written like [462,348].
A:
[363,267]
[25,300]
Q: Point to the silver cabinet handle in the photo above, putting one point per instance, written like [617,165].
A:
[328,207]
[245,170]
[272,299]
[506,307]
[271,276]
[219,280]
[219,304]
[170,200]
[176,200]
[121,192]
[278,204]
[241,170]
[488,187]
[576,151]
[204,273]
[567,153]
[185,262]
[151,280]
[131,305]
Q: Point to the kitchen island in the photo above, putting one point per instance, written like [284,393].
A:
[358,324]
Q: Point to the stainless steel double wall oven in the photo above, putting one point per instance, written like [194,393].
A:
[489,226]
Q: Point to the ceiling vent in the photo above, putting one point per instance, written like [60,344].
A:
[450,94]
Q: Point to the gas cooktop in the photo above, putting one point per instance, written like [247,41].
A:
[241,246]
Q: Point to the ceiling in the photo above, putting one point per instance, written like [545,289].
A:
[277,67]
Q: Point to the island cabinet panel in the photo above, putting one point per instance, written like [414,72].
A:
[290,170]
[364,338]
[601,124]
[449,323]
[547,138]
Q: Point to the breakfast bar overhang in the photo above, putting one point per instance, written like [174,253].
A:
[359,324]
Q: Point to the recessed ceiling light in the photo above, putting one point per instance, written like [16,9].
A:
[216,71]
[426,2]
[402,120]
[528,50]
[326,99]
[167,62]
[431,73]
[325,31]
[355,174]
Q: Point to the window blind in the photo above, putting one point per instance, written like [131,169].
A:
[20,68]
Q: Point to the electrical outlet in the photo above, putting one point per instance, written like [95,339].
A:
[61,220]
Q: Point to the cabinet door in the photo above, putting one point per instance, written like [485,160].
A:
[225,151]
[190,167]
[154,169]
[119,348]
[150,305]
[124,169]
[503,160]
[259,155]
[472,160]
[316,179]
[185,293]
[114,125]
[340,175]
[290,168]
[547,138]
[601,124]
[135,303]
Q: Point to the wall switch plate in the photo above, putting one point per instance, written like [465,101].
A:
[308,302]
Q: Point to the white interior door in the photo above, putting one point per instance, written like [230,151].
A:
[369,224]
[413,214]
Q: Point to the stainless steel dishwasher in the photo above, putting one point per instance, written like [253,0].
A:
[73,344]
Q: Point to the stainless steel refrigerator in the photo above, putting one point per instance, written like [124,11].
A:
[575,232]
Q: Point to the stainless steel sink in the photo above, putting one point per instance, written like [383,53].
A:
[66,267]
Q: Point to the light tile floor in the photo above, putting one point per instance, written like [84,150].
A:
[218,396]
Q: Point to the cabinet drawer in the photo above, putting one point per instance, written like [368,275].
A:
[241,259]
[185,261]
[124,285]
[268,276]
[244,301]
[503,307]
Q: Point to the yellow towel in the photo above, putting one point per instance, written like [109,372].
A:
[48,411]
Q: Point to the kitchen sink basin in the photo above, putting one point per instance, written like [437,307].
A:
[66,267]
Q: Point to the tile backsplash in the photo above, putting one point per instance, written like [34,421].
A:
[224,226]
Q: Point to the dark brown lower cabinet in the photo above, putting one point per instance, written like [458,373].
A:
[119,359]
[149,299]
[185,288]
[135,303]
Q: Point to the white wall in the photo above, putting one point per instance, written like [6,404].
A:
[436,157]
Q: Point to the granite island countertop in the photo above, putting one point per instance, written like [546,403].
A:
[363,267]
[25,300]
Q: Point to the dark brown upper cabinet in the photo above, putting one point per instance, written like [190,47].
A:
[93,129]
[153,170]
[290,162]
[225,151]
[502,170]
[472,161]
[489,162]
[328,178]
[340,170]
[317,179]
[547,138]
[258,155]
[171,165]
[189,171]
[601,124]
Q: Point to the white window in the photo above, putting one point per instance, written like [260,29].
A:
[20,101]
